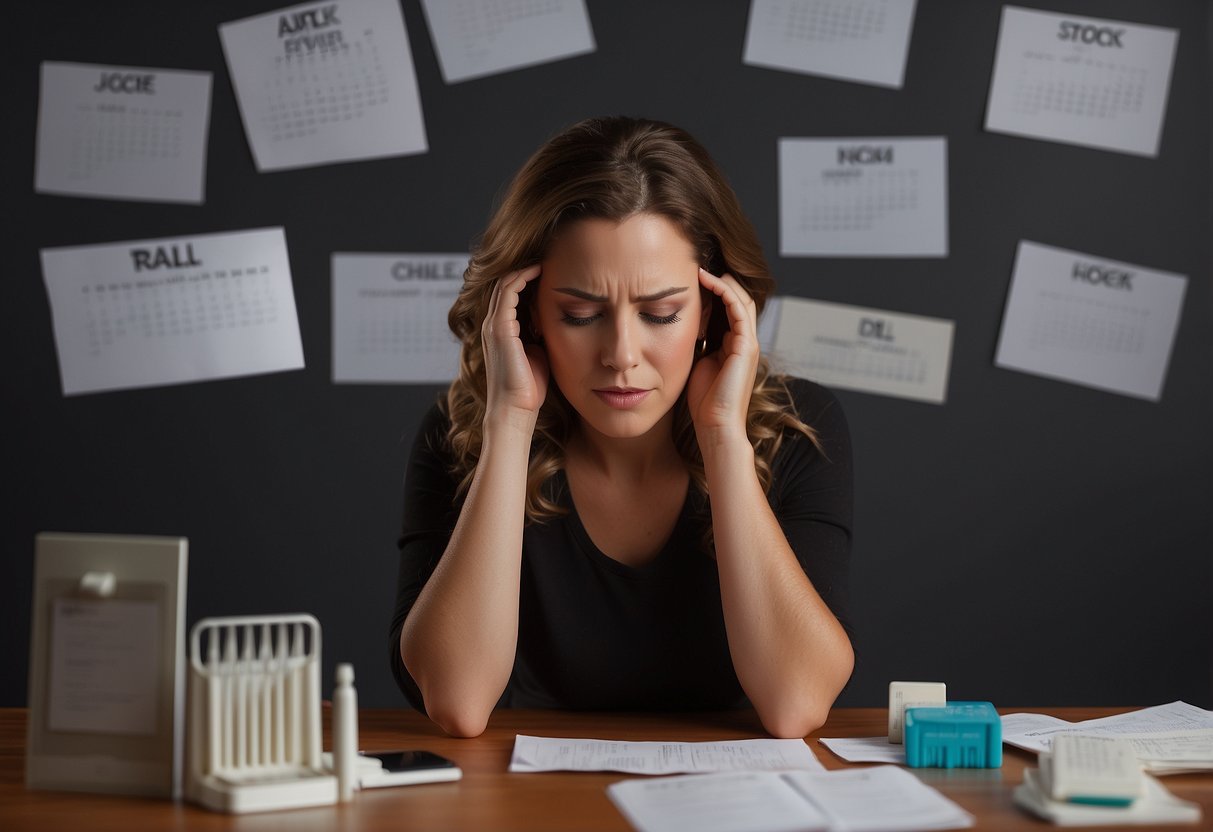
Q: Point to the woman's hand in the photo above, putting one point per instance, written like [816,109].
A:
[517,373]
[719,389]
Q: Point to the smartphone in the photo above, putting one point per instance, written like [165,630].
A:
[402,768]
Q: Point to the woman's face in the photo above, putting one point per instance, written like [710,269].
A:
[619,310]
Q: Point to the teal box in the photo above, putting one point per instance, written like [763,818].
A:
[959,735]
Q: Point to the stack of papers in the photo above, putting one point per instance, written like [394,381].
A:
[881,799]
[1168,739]
[532,754]
[1157,806]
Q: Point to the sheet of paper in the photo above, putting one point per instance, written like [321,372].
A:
[1081,80]
[872,350]
[121,132]
[1090,320]
[1159,720]
[867,750]
[104,674]
[325,82]
[863,197]
[152,312]
[474,38]
[855,40]
[758,801]
[878,799]
[558,754]
[390,317]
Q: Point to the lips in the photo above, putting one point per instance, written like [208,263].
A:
[622,398]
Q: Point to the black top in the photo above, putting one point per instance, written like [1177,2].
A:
[597,634]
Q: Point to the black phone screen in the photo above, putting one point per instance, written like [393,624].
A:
[409,760]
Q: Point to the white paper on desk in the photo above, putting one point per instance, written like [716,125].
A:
[474,38]
[856,348]
[866,749]
[1090,320]
[557,754]
[325,82]
[750,801]
[166,311]
[855,40]
[390,317]
[104,668]
[863,197]
[122,132]
[1159,720]
[878,799]
[1081,80]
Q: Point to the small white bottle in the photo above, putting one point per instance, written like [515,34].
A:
[345,733]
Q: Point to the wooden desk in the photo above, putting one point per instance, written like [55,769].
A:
[490,798]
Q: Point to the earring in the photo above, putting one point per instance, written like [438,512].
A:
[703,345]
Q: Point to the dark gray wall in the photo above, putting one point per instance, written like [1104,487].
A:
[1030,542]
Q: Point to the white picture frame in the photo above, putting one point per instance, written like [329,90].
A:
[107,672]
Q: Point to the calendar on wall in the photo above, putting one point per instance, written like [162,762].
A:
[166,311]
[323,83]
[474,38]
[854,348]
[1081,80]
[855,40]
[120,132]
[863,197]
[1090,320]
[390,317]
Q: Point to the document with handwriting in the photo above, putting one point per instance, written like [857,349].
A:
[559,754]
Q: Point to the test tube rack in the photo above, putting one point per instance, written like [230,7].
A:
[254,715]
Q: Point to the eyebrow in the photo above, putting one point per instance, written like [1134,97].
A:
[664,293]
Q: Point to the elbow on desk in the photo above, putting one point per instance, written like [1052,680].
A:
[464,725]
[792,724]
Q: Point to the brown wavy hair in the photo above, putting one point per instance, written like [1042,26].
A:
[610,168]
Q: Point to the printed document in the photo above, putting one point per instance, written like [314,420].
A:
[871,350]
[325,83]
[1090,320]
[553,754]
[1081,80]
[854,40]
[474,38]
[867,750]
[390,317]
[121,132]
[1158,732]
[153,312]
[863,197]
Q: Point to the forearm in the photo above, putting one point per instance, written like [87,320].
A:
[459,640]
[791,655]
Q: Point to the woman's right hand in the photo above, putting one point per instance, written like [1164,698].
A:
[517,374]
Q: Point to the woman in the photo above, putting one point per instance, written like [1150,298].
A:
[560,549]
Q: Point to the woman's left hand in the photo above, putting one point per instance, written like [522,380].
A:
[719,389]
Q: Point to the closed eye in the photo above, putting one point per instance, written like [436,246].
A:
[671,318]
[575,320]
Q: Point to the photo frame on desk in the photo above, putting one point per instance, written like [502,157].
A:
[107,672]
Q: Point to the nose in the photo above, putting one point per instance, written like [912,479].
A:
[620,349]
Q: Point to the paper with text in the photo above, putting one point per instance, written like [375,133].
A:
[104,668]
[759,801]
[474,38]
[390,317]
[122,132]
[152,312]
[321,83]
[1081,80]
[558,754]
[866,749]
[863,197]
[1157,727]
[1090,320]
[878,799]
[855,40]
[872,350]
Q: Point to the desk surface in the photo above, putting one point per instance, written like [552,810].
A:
[490,798]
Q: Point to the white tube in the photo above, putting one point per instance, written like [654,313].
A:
[345,733]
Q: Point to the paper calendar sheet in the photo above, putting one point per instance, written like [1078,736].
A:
[863,197]
[855,40]
[474,38]
[1089,320]
[154,312]
[873,350]
[390,317]
[122,132]
[1081,80]
[320,83]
